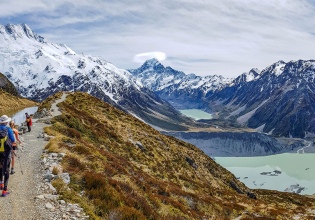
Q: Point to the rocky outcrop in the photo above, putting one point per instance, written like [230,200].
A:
[236,143]
[55,207]
[7,86]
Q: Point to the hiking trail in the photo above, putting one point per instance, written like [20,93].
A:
[21,202]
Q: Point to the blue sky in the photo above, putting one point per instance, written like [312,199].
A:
[223,37]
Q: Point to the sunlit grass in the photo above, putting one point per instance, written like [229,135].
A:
[10,102]
[128,170]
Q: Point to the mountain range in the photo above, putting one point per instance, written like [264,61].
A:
[39,68]
[182,90]
[278,100]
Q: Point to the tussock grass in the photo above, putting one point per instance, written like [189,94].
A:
[10,102]
[128,170]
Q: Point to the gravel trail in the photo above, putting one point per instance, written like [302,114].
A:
[26,183]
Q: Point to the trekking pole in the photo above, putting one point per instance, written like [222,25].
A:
[19,161]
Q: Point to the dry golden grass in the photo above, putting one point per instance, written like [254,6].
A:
[10,102]
[128,170]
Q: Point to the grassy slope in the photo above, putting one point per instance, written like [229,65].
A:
[113,178]
[10,102]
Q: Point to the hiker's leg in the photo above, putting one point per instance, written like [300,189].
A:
[13,159]
[13,156]
[1,167]
[6,170]
[1,175]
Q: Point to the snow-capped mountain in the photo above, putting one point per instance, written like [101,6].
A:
[39,68]
[183,91]
[280,100]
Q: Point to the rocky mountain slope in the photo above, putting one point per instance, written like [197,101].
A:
[279,100]
[121,168]
[7,86]
[39,68]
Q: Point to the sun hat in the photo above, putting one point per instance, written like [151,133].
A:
[4,119]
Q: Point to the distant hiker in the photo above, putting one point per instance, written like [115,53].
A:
[14,145]
[28,121]
[6,140]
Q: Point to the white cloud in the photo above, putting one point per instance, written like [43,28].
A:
[142,57]
[225,37]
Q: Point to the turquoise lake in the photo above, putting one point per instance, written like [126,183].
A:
[196,114]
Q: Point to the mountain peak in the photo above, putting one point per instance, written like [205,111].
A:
[152,64]
[16,31]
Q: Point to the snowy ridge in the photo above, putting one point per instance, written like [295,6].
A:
[32,63]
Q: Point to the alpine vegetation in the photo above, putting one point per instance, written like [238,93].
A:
[122,168]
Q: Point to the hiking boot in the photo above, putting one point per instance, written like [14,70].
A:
[1,186]
[5,193]
[12,171]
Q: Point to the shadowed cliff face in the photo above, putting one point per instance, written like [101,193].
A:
[236,143]
[7,86]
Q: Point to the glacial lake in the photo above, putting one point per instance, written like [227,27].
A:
[288,172]
[196,114]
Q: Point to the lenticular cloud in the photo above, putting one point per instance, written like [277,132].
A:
[142,57]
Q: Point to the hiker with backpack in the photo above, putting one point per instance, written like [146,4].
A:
[14,145]
[6,140]
[28,121]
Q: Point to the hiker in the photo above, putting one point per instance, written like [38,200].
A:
[28,121]
[14,145]
[6,140]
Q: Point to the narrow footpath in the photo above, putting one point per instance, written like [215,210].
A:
[27,181]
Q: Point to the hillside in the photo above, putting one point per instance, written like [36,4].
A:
[11,102]
[121,168]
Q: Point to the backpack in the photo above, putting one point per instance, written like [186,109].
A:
[5,142]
